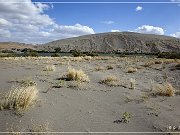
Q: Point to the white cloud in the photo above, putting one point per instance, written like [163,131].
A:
[77,29]
[115,31]
[177,35]
[4,22]
[150,30]
[27,22]
[108,22]
[139,8]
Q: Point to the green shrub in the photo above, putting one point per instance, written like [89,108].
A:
[31,54]
[77,53]
[91,54]
[55,55]
[169,55]
[7,51]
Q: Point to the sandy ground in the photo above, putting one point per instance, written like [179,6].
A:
[93,106]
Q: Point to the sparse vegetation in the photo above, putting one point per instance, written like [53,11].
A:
[169,55]
[31,54]
[55,55]
[42,128]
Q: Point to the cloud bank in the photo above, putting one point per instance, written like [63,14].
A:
[27,22]
[148,29]
[177,35]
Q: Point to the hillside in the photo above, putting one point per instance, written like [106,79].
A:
[118,42]
[14,45]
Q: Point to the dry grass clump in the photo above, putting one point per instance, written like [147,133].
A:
[77,75]
[19,98]
[76,59]
[111,81]
[165,89]
[50,68]
[149,63]
[87,57]
[131,70]
[168,61]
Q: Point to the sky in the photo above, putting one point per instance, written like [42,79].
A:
[42,21]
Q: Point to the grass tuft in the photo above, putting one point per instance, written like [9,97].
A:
[19,98]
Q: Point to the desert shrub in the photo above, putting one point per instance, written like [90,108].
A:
[31,54]
[131,70]
[55,55]
[7,51]
[77,53]
[77,75]
[169,55]
[122,55]
[28,50]
[165,89]
[91,54]
[57,50]
[8,55]
[19,98]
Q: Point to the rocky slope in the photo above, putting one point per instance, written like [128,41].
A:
[118,42]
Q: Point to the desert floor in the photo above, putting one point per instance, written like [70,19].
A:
[95,105]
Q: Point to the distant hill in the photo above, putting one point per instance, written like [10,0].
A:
[107,42]
[14,45]
[117,42]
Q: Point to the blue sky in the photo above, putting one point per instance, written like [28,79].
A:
[49,22]
[124,16]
